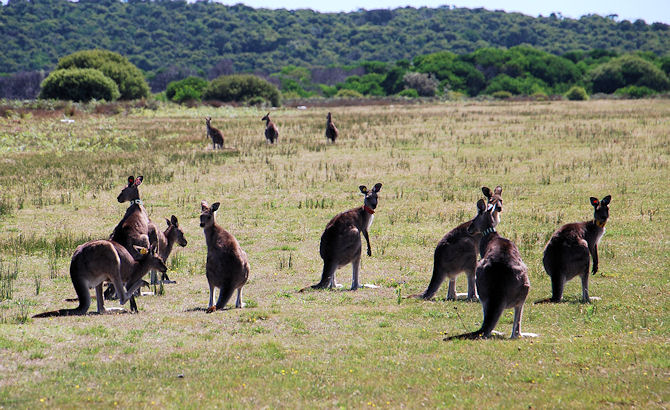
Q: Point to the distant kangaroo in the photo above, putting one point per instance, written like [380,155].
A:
[100,260]
[502,278]
[331,129]
[341,240]
[167,239]
[213,133]
[567,252]
[456,252]
[227,264]
[271,131]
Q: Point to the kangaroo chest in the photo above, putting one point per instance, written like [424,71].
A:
[372,217]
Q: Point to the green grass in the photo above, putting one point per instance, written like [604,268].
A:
[338,348]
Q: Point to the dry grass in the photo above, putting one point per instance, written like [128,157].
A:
[338,349]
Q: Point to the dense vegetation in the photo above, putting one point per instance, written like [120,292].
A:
[213,39]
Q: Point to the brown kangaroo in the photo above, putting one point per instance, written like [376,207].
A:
[331,130]
[341,240]
[271,131]
[166,241]
[227,264]
[133,229]
[456,252]
[100,260]
[567,252]
[214,134]
[502,277]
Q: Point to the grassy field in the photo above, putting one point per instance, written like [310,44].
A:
[370,348]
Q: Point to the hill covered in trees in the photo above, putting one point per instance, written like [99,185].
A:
[213,39]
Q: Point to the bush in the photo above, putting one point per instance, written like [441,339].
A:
[625,71]
[409,92]
[128,78]
[424,84]
[241,88]
[79,84]
[188,88]
[501,95]
[577,93]
[347,93]
[633,91]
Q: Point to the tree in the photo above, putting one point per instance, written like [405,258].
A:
[625,71]
[424,84]
[79,84]
[241,88]
[190,88]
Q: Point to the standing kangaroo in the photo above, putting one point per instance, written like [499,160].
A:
[213,133]
[456,252]
[166,241]
[341,240]
[502,277]
[133,229]
[567,252]
[100,260]
[227,264]
[271,131]
[331,129]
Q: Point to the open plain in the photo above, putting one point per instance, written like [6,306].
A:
[369,348]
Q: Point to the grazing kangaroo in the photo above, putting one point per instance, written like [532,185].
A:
[214,134]
[456,252]
[567,252]
[100,260]
[331,130]
[166,241]
[341,240]
[271,131]
[502,278]
[227,264]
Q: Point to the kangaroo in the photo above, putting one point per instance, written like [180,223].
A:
[100,260]
[341,240]
[271,131]
[331,130]
[214,134]
[227,264]
[502,277]
[456,252]
[133,229]
[567,252]
[166,241]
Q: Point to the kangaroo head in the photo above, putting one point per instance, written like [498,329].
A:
[130,192]
[495,200]
[601,210]
[207,120]
[266,117]
[370,195]
[328,117]
[150,259]
[484,219]
[207,214]
[175,231]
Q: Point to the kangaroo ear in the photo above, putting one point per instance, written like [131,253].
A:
[363,189]
[131,180]
[487,191]
[377,187]
[606,201]
[139,180]
[481,206]
[174,221]
[215,206]
[167,221]
[498,190]
[204,206]
[594,201]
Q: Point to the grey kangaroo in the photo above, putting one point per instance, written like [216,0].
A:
[568,252]
[166,240]
[227,264]
[341,240]
[331,130]
[214,134]
[100,260]
[502,277]
[271,131]
[456,252]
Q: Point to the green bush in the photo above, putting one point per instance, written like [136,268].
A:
[79,84]
[241,88]
[501,95]
[627,70]
[409,92]
[577,93]
[347,93]
[633,91]
[128,78]
[190,88]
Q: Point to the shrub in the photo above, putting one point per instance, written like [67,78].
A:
[577,93]
[241,88]
[128,78]
[347,93]
[424,84]
[188,88]
[633,91]
[501,95]
[409,92]
[79,84]
[627,70]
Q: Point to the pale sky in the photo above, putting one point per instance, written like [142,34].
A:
[650,11]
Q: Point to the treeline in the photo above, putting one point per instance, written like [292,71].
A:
[210,39]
